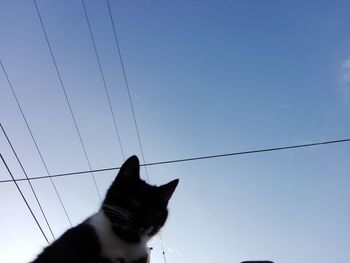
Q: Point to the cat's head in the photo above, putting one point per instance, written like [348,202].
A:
[136,209]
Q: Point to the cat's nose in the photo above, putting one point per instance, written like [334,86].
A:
[149,221]
[146,231]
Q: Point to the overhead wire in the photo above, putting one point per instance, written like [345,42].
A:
[198,158]
[35,142]
[115,124]
[131,104]
[30,183]
[162,245]
[103,79]
[24,199]
[126,84]
[66,97]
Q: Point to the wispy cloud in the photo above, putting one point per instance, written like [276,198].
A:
[345,80]
[346,70]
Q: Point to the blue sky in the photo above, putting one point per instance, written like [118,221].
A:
[206,77]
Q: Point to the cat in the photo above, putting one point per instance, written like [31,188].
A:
[131,213]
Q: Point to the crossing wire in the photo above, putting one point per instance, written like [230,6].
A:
[34,141]
[66,97]
[30,183]
[103,78]
[24,199]
[198,158]
[131,104]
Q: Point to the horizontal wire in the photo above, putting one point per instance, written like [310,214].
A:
[194,158]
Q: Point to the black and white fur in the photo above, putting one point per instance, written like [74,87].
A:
[132,212]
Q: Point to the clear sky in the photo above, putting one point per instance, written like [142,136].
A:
[206,77]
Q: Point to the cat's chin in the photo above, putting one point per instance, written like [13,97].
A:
[114,245]
[131,237]
[144,239]
[127,235]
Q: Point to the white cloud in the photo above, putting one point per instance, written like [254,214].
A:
[345,80]
[346,70]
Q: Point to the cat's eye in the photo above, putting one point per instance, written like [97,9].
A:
[135,202]
[157,213]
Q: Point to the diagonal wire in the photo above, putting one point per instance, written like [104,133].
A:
[126,84]
[198,158]
[103,80]
[30,183]
[66,97]
[24,199]
[162,244]
[131,104]
[34,140]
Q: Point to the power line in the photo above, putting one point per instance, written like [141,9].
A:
[30,183]
[198,158]
[34,140]
[162,245]
[126,84]
[131,104]
[24,199]
[103,79]
[66,97]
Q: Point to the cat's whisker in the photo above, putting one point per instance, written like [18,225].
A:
[117,209]
[118,213]
[121,214]
[120,217]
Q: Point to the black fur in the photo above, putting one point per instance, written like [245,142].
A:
[78,244]
[135,210]
[146,204]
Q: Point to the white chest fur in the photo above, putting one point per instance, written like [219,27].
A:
[112,246]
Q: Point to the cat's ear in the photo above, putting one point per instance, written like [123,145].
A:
[167,190]
[130,170]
